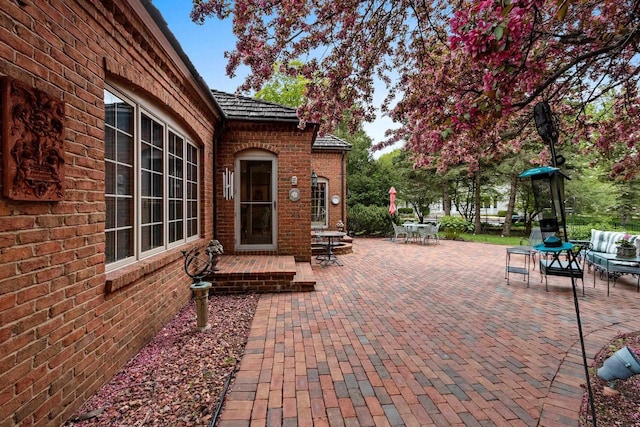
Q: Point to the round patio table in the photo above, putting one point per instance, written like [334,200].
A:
[329,257]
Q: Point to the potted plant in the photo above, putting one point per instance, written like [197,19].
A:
[625,248]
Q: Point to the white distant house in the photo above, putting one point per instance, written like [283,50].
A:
[489,209]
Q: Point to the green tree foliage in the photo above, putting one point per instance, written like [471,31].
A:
[461,189]
[284,89]
[418,187]
[368,181]
[627,200]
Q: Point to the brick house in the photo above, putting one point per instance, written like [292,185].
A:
[329,162]
[272,159]
[116,157]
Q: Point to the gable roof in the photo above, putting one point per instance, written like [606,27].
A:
[237,107]
[331,142]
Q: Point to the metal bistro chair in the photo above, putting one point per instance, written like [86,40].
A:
[319,241]
[526,249]
[412,231]
[552,265]
[434,232]
[399,230]
[535,238]
[426,232]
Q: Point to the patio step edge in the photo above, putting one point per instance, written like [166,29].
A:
[304,278]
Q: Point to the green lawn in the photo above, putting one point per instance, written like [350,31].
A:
[492,239]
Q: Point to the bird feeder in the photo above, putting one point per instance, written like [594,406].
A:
[548,192]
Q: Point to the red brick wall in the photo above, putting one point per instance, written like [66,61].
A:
[331,165]
[292,148]
[61,334]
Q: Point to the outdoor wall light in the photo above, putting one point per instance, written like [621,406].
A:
[620,366]
[314,179]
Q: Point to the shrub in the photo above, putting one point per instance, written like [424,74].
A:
[405,211]
[368,220]
[502,213]
[453,226]
[583,231]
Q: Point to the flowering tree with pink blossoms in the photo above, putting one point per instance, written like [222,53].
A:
[462,77]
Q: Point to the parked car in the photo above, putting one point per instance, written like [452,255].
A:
[515,218]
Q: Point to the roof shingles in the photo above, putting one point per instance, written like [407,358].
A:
[237,107]
[245,108]
[331,142]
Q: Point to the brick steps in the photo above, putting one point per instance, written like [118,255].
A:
[261,273]
[304,276]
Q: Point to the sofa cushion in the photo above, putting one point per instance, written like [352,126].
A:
[605,241]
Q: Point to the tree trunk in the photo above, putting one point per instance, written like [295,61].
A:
[506,229]
[446,198]
[477,203]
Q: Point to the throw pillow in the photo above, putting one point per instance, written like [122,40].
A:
[605,241]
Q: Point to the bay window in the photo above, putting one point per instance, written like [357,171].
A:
[152,184]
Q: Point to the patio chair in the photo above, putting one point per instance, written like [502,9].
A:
[535,238]
[426,232]
[422,234]
[434,232]
[552,265]
[399,230]
[319,242]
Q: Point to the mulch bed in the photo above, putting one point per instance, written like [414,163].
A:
[622,409]
[179,377]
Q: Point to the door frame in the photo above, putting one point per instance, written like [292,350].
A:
[259,155]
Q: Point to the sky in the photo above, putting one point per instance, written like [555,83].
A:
[205,46]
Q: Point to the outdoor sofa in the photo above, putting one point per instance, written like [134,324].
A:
[602,257]
[604,242]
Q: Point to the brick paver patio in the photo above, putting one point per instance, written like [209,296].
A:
[408,335]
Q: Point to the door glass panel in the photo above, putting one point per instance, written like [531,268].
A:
[319,204]
[256,202]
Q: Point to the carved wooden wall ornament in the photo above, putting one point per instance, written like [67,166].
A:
[32,143]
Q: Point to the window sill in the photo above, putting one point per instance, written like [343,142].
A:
[130,274]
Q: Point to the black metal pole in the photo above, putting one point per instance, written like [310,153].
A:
[573,281]
[548,131]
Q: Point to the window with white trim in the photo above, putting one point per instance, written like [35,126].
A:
[319,203]
[152,185]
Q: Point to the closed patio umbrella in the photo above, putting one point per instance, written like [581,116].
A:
[392,201]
